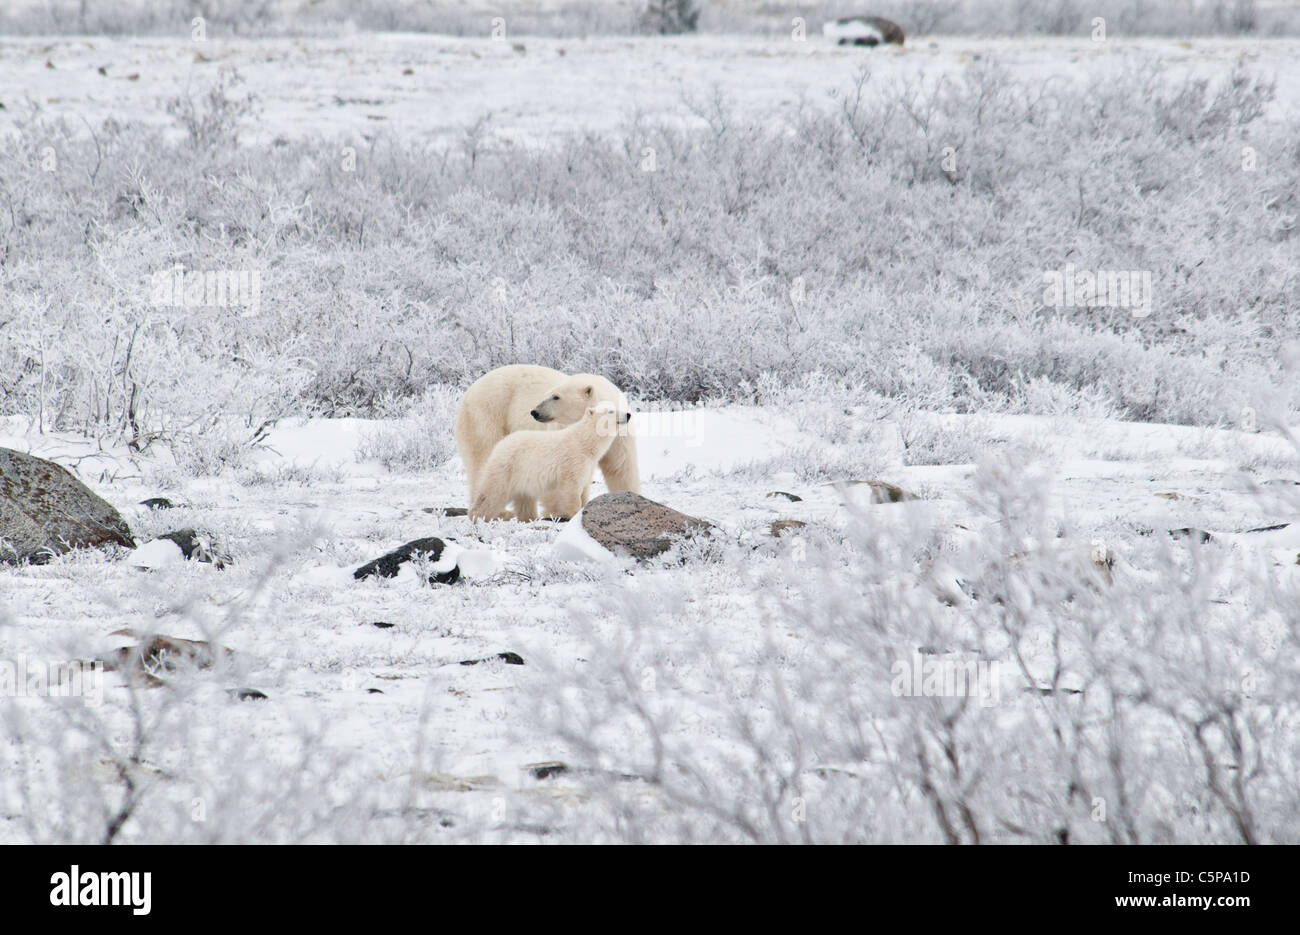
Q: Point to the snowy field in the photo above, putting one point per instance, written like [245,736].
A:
[531,90]
[377,733]
[1142,683]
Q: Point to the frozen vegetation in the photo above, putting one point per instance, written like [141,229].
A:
[808,266]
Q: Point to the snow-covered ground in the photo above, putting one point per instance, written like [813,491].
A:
[437,88]
[390,709]
[373,732]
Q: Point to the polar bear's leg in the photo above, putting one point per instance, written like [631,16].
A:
[493,492]
[488,506]
[475,445]
[562,504]
[619,466]
[525,508]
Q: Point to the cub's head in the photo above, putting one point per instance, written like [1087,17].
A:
[604,418]
[569,402]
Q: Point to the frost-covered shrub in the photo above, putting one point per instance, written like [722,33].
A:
[1133,699]
[669,17]
[422,440]
[896,243]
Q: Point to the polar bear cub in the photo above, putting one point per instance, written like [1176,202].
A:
[553,467]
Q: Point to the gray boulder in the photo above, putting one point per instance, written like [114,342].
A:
[45,511]
[627,523]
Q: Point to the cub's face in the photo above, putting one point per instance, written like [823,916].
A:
[603,415]
[571,400]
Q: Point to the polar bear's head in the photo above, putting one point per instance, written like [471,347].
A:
[569,402]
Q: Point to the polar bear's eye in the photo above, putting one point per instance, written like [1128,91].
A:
[555,397]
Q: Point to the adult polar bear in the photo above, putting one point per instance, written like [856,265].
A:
[523,397]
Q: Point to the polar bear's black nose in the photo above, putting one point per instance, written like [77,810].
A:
[535,415]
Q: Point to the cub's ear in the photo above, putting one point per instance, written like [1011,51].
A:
[588,390]
[625,418]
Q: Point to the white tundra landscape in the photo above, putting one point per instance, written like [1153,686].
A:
[973,361]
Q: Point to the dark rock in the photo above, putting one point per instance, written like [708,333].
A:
[374,691]
[447,510]
[547,770]
[157,503]
[1186,532]
[388,565]
[628,523]
[193,547]
[1269,528]
[782,526]
[45,511]
[865,31]
[511,659]
[793,498]
[383,624]
[246,694]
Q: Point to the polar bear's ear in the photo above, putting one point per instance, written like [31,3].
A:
[588,390]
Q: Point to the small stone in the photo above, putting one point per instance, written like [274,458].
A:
[246,694]
[782,526]
[547,770]
[510,659]
[882,491]
[155,654]
[793,498]
[447,510]
[194,547]
[429,549]
[157,503]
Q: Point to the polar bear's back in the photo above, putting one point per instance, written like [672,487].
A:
[510,393]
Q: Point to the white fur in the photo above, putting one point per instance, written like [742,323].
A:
[500,404]
[553,467]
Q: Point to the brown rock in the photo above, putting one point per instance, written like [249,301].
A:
[155,655]
[629,524]
[45,511]
[781,526]
[883,491]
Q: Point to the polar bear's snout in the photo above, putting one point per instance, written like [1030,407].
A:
[539,417]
